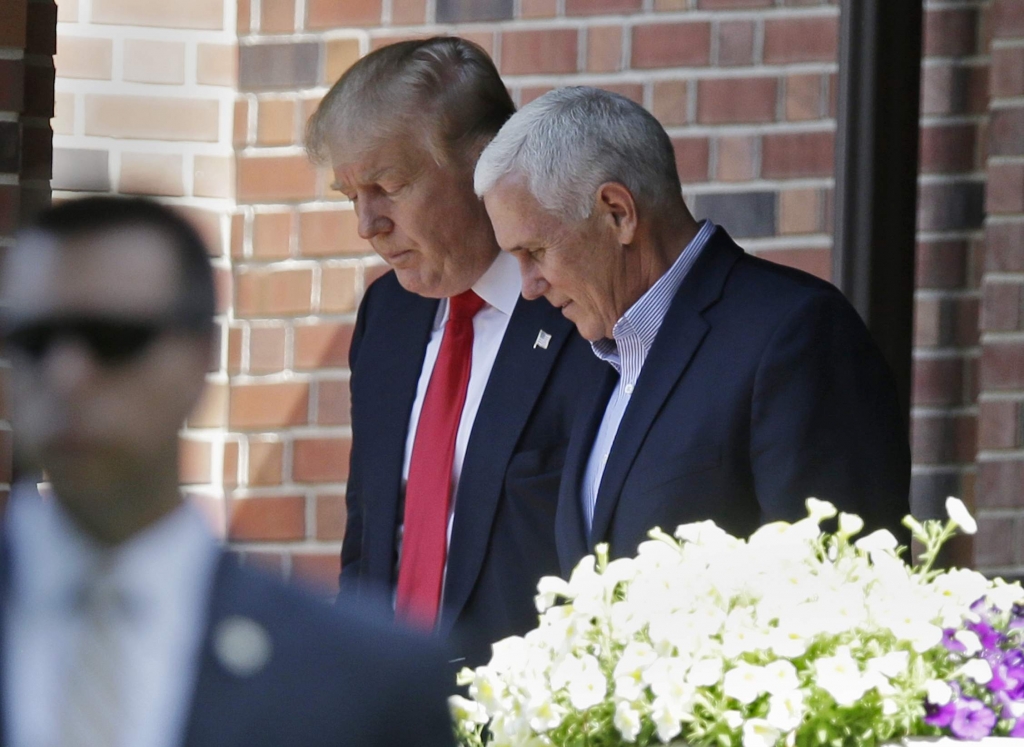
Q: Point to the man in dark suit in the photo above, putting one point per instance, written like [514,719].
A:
[457,447]
[735,388]
[122,622]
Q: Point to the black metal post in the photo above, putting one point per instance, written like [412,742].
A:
[876,171]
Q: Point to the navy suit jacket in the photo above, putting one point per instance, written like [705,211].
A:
[502,538]
[335,678]
[762,388]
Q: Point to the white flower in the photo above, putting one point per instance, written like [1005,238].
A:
[582,679]
[960,516]
[938,692]
[890,665]
[745,683]
[819,510]
[850,524]
[665,721]
[840,677]
[880,540]
[488,689]
[627,720]
[705,673]
[786,710]
[970,641]
[549,589]
[544,714]
[757,732]
[780,677]
[978,670]
[465,710]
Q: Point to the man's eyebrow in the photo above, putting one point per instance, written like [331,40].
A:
[373,176]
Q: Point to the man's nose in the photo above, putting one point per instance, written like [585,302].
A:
[373,219]
[67,365]
[534,284]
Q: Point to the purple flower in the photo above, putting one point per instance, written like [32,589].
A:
[939,715]
[951,643]
[989,636]
[972,720]
[1018,728]
[1017,616]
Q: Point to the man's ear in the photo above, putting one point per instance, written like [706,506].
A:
[616,203]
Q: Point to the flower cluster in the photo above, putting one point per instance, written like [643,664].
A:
[791,637]
[986,696]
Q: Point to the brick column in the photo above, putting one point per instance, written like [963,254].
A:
[27,43]
[1000,486]
[950,229]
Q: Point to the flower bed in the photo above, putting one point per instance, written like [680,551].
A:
[792,637]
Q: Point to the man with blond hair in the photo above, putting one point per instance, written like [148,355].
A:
[733,388]
[462,391]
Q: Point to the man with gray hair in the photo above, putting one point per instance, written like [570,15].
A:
[735,388]
[462,391]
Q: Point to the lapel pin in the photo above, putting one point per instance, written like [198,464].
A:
[242,645]
[543,338]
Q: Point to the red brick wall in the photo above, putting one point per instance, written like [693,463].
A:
[954,114]
[746,89]
[27,38]
[1000,480]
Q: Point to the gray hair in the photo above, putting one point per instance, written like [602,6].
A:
[571,140]
[445,85]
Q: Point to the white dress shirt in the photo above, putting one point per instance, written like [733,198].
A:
[633,335]
[499,287]
[164,574]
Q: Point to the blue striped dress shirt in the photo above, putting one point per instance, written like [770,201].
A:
[633,336]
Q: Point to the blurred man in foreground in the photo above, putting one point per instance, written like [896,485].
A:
[734,388]
[463,392]
[123,623]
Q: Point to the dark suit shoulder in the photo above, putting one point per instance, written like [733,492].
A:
[351,631]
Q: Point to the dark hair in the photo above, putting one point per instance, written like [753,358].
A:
[196,298]
[448,80]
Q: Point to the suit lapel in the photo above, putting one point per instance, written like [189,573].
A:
[217,690]
[517,379]
[570,527]
[678,340]
[389,365]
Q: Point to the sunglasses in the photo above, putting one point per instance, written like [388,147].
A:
[110,340]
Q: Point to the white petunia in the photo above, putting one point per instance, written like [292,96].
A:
[938,692]
[549,590]
[705,673]
[881,540]
[666,722]
[850,524]
[780,677]
[958,513]
[465,710]
[544,714]
[978,670]
[970,641]
[758,732]
[891,665]
[627,720]
[819,510]
[786,710]
[745,683]
[840,677]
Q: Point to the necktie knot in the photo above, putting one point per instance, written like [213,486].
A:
[464,306]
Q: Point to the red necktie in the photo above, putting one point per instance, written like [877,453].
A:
[428,489]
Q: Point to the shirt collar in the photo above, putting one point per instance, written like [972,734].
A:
[51,555]
[643,319]
[499,287]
